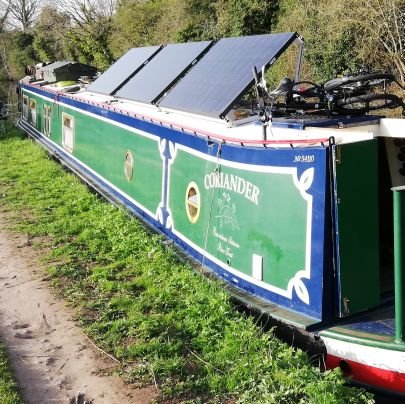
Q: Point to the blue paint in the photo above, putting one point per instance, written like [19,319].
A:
[300,158]
[380,322]
[325,122]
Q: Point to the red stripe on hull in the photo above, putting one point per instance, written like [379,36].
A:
[373,376]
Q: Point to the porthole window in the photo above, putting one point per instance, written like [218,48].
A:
[33,112]
[68,132]
[129,166]
[193,202]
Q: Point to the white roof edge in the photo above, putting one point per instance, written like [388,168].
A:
[390,127]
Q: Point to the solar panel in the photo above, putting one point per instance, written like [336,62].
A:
[123,69]
[224,74]
[150,83]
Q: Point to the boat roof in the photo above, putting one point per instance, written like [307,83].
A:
[205,78]
[56,65]
[196,87]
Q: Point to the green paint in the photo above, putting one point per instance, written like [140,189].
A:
[357,188]
[251,213]
[399,263]
[375,343]
[107,159]
[232,226]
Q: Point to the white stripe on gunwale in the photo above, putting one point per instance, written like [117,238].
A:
[371,356]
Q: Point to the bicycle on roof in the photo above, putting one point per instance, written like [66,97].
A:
[349,95]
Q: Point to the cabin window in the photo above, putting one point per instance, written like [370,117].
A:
[25,110]
[33,112]
[129,166]
[47,120]
[193,202]
[68,132]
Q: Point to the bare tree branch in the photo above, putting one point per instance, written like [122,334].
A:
[84,12]
[21,13]
[3,19]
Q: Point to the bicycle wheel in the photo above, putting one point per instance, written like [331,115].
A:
[364,80]
[362,104]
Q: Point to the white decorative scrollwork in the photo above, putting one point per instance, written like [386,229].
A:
[306,179]
[164,153]
[169,222]
[173,150]
[300,288]
[159,214]
[227,212]
[162,148]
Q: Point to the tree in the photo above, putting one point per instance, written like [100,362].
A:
[50,34]
[21,13]
[136,24]
[382,33]
[200,19]
[343,35]
[91,25]
[245,17]
[84,12]
[3,18]
[330,37]
[21,52]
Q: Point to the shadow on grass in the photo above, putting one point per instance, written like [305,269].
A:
[9,131]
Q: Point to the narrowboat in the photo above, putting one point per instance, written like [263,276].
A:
[300,214]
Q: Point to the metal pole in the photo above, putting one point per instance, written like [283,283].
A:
[300,56]
[399,262]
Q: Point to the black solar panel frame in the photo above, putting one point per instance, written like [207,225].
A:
[224,112]
[152,55]
[177,76]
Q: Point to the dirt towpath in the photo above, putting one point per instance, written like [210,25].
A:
[52,359]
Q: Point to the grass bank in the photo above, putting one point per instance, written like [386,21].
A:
[9,393]
[166,324]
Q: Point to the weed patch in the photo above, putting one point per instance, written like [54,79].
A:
[9,393]
[165,323]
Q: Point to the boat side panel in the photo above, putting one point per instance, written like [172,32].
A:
[268,208]
[243,213]
[262,223]
[103,147]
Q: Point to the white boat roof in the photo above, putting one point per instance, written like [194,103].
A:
[248,132]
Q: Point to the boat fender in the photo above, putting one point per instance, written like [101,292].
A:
[19,106]
[345,368]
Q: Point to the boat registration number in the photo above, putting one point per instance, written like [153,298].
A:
[304,158]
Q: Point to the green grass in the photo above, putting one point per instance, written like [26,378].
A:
[9,393]
[164,323]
